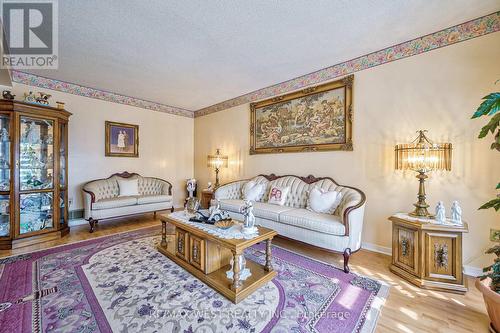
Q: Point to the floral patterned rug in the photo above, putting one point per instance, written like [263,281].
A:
[121,283]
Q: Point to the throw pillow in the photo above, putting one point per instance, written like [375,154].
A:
[128,187]
[323,201]
[277,195]
[252,191]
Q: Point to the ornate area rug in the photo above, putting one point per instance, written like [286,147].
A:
[121,283]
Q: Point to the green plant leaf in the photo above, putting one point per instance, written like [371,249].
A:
[491,126]
[489,106]
[495,203]
[498,186]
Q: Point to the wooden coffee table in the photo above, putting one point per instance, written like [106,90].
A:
[208,256]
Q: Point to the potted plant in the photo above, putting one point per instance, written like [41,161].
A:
[489,283]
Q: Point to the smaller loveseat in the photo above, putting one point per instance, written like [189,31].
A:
[338,232]
[102,198]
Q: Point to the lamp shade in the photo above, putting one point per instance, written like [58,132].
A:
[217,161]
[423,155]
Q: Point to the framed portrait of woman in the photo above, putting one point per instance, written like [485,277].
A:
[122,140]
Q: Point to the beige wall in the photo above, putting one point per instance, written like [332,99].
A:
[437,91]
[165,143]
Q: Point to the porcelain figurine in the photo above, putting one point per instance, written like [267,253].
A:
[456,212]
[249,218]
[43,98]
[244,271]
[191,186]
[4,135]
[30,98]
[8,95]
[192,203]
[440,212]
[217,214]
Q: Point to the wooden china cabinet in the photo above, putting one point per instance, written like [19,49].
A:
[33,173]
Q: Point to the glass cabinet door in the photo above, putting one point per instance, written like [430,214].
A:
[62,154]
[4,152]
[36,212]
[62,209]
[36,167]
[36,172]
[4,215]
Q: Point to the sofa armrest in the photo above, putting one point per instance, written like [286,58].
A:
[167,187]
[351,209]
[354,226]
[229,191]
[88,199]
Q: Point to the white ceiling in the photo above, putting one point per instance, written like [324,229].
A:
[192,54]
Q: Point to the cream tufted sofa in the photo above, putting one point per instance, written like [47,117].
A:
[102,201]
[337,232]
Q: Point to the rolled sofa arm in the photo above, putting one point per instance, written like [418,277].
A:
[229,191]
[166,188]
[88,199]
[352,214]
[355,219]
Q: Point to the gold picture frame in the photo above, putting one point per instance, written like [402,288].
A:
[122,140]
[313,119]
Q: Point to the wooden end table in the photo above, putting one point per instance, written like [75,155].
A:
[207,257]
[206,197]
[429,255]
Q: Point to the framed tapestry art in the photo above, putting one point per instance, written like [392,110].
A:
[122,140]
[313,119]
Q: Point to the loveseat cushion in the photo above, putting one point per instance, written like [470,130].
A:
[114,202]
[326,223]
[269,211]
[147,199]
[232,205]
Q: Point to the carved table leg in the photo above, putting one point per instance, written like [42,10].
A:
[163,234]
[236,286]
[269,264]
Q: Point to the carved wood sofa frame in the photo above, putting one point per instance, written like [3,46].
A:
[312,179]
[124,174]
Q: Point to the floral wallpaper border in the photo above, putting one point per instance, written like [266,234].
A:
[75,89]
[459,33]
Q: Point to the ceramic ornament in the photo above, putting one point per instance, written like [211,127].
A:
[249,218]
[456,212]
[440,212]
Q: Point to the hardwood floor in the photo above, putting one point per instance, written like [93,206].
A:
[408,308]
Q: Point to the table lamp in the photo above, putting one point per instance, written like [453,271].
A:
[217,162]
[422,155]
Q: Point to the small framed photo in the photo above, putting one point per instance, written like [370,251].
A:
[122,140]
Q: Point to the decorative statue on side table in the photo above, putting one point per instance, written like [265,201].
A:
[456,212]
[249,218]
[440,212]
[192,204]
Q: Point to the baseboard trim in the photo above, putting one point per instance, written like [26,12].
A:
[473,271]
[75,222]
[76,216]
[376,248]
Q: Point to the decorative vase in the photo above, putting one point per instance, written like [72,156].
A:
[492,301]
[192,205]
